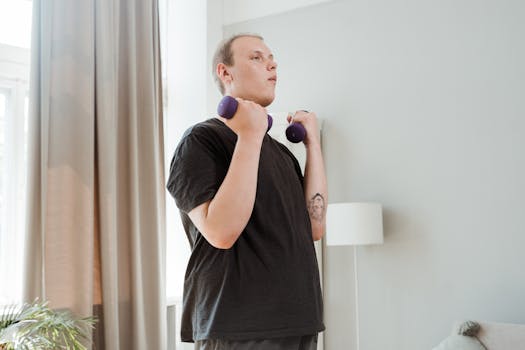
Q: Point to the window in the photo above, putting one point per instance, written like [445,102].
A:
[15,22]
[15,29]
[13,157]
[3,112]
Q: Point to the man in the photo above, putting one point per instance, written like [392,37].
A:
[252,280]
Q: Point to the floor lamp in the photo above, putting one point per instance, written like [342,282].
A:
[354,224]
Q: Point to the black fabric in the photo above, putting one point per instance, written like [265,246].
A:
[267,285]
[305,342]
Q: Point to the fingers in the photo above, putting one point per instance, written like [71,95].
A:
[300,116]
[250,104]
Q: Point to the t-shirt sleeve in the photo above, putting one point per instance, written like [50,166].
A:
[195,173]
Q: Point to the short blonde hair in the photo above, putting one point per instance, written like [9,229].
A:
[224,54]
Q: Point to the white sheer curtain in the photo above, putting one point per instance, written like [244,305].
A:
[96,179]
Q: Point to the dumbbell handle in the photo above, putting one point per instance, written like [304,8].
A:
[228,106]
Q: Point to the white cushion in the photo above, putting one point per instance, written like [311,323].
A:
[459,342]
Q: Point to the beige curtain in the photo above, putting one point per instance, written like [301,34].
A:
[96,175]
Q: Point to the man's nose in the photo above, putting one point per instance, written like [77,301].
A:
[272,65]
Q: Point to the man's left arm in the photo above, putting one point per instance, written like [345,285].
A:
[315,187]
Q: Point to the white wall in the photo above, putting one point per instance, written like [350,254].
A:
[242,10]
[423,103]
[185,67]
[215,35]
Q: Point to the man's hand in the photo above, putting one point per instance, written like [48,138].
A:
[250,121]
[309,121]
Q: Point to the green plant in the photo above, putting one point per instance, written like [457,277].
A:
[36,326]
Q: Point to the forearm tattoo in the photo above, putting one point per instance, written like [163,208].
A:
[316,207]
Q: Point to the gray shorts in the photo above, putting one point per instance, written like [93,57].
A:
[306,342]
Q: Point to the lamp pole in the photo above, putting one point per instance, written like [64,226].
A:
[356,293]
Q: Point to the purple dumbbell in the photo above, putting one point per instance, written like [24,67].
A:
[295,132]
[228,106]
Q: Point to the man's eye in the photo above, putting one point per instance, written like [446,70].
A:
[256,58]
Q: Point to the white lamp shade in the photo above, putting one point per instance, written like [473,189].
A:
[354,224]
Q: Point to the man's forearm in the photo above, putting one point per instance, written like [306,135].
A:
[316,195]
[229,211]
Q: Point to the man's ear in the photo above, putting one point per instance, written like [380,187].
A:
[223,72]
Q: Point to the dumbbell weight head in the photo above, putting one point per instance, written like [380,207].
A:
[295,132]
[228,106]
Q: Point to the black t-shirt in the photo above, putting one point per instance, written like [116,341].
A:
[267,284]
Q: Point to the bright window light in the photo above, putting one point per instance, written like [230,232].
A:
[15,22]
[2,104]
[3,112]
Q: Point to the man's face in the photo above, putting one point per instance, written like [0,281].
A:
[253,75]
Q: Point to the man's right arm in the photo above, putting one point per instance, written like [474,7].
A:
[222,219]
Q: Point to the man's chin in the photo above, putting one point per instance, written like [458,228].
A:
[266,101]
